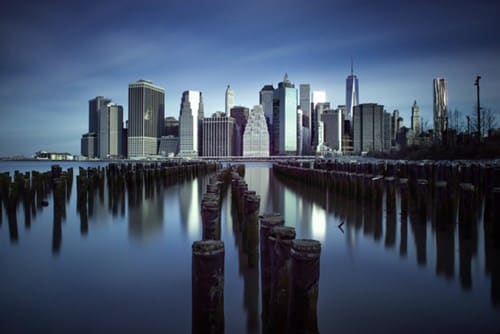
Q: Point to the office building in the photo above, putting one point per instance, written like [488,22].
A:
[171,127]
[146,109]
[266,97]
[240,115]
[256,135]
[440,108]
[415,118]
[191,116]
[95,106]
[229,99]
[110,131]
[371,128]
[317,97]
[218,136]
[333,121]
[351,93]
[305,107]
[88,145]
[285,118]
[319,109]
[169,146]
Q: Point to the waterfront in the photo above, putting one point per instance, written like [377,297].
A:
[131,270]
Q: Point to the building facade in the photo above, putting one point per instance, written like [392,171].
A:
[191,116]
[88,145]
[218,136]
[371,128]
[440,108]
[317,97]
[305,107]
[146,113]
[415,118]
[284,125]
[95,106]
[110,131]
[240,115]
[256,135]
[333,121]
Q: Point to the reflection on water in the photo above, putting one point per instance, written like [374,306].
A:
[395,256]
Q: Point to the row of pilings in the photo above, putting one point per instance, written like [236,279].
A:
[444,192]
[32,190]
[289,267]
[207,273]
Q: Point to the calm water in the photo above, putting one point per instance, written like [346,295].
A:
[131,272]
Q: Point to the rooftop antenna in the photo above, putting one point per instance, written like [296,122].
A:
[352,67]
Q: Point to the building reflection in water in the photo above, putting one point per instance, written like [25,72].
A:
[145,213]
[189,205]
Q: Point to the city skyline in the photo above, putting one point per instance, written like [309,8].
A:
[397,49]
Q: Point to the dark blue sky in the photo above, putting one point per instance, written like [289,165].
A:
[57,55]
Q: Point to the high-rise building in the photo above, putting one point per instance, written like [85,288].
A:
[169,146]
[218,136]
[371,128]
[305,106]
[319,109]
[146,109]
[285,118]
[229,99]
[256,136]
[351,93]
[95,106]
[110,131]
[240,115]
[317,98]
[333,121]
[440,108]
[415,118]
[171,127]
[266,97]
[191,116]
[88,144]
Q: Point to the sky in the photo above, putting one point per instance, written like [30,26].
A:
[57,55]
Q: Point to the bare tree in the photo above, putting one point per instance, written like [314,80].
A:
[456,121]
[488,121]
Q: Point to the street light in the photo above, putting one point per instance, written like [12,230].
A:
[478,110]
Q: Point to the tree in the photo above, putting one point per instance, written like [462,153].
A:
[488,121]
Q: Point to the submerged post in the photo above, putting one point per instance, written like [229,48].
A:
[208,286]
[305,286]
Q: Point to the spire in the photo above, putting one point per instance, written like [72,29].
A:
[352,67]
[286,77]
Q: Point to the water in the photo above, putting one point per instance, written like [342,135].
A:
[131,272]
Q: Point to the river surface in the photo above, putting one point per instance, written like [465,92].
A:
[130,271]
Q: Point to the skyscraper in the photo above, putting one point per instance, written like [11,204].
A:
[240,115]
[415,118]
[146,109]
[110,131]
[319,109]
[256,136]
[371,128]
[351,93]
[285,118]
[266,97]
[440,108]
[333,121]
[305,106]
[191,116]
[317,97]
[218,136]
[95,106]
[229,99]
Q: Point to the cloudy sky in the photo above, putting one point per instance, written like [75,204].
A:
[56,55]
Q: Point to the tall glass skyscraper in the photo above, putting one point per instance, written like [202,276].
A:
[95,106]
[191,116]
[146,113]
[318,97]
[351,93]
[285,118]
[440,108]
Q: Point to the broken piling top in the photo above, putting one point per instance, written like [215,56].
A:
[282,233]
[306,248]
[208,247]
[269,220]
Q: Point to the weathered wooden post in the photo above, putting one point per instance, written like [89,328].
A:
[267,223]
[390,207]
[305,286]
[280,244]
[208,286]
